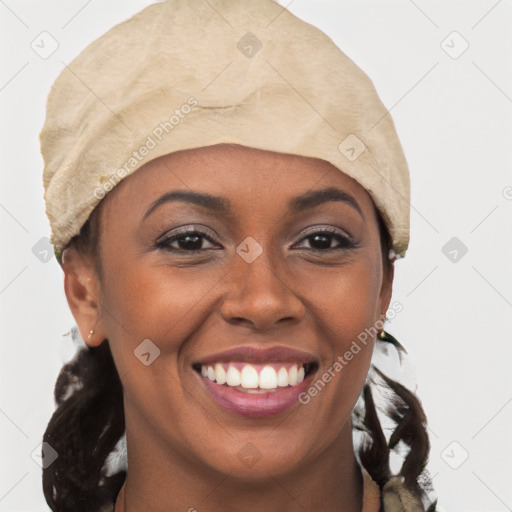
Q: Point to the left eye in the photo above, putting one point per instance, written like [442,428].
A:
[323,239]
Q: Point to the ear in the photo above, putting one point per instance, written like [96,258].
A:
[83,292]
[386,291]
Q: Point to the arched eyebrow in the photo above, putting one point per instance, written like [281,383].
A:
[314,198]
[306,201]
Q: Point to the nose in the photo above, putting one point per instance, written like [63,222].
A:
[259,296]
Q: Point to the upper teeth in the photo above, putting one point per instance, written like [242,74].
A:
[269,376]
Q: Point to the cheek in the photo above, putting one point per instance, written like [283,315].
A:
[158,303]
[165,306]
[344,301]
[345,308]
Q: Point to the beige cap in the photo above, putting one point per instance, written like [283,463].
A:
[184,74]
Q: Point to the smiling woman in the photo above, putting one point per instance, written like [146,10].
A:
[227,276]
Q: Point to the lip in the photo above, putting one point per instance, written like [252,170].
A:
[261,404]
[258,355]
[256,405]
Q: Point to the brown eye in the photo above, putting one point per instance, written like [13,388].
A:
[188,240]
[321,240]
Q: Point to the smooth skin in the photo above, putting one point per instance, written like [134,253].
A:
[182,447]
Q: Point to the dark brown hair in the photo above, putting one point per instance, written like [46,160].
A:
[89,419]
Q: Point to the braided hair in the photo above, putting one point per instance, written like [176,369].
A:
[89,421]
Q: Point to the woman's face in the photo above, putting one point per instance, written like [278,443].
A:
[257,270]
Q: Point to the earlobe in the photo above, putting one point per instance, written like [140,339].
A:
[82,289]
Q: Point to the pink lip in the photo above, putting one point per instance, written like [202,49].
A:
[258,355]
[256,405]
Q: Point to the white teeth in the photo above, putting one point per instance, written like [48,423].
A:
[268,378]
[282,377]
[249,379]
[233,377]
[220,374]
[292,375]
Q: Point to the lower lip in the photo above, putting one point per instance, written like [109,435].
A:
[256,405]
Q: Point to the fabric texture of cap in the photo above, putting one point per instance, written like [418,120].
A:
[183,74]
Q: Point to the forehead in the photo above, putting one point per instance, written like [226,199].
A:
[241,175]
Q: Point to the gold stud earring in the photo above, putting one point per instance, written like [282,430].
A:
[91,332]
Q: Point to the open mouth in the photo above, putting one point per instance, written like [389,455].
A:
[256,378]
[256,382]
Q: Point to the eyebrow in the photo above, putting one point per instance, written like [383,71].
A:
[306,201]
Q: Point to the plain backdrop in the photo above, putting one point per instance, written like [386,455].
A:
[443,68]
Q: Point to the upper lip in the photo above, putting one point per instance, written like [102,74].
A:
[259,355]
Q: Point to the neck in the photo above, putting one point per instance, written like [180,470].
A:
[158,480]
